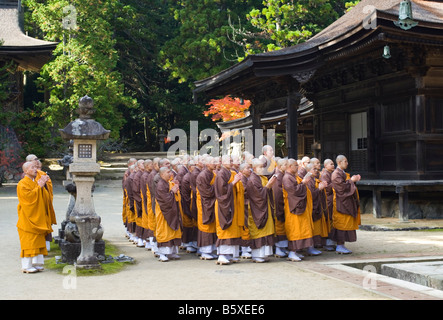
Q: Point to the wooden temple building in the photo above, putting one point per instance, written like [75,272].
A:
[364,87]
[19,52]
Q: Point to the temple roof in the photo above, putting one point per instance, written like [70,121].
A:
[28,52]
[346,32]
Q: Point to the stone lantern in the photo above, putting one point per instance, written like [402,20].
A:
[85,132]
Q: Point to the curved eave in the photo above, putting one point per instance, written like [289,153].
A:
[309,56]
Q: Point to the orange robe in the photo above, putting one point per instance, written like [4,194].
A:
[167,215]
[346,212]
[34,217]
[229,213]
[50,189]
[260,217]
[298,213]
[206,201]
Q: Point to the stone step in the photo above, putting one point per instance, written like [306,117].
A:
[428,273]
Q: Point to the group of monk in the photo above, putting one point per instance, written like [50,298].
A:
[226,208]
[36,215]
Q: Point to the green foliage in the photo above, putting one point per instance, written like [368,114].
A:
[138,59]
[84,61]
[283,23]
[200,46]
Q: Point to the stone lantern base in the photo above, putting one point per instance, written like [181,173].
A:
[71,251]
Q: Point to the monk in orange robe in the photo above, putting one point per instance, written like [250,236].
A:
[281,243]
[207,234]
[131,212]
[50,188]
[229,215]
[34,221]
[298,211]
[151,211]
[346,215]
[319,208]
[168,217]
[146,201]
[245,170]
[325,176]
[260,217]
[189,237]
[138,203]
[125,209]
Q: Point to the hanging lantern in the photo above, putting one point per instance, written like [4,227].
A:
[405,19]
[386,52]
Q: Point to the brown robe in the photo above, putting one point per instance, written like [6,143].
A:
[346,214]
[207,194]
[298,211]
[189,221]
[302,172]
[316,199]
[224,194]
[143,188]
[227,217]
[168,229]
[279,207]
[193,183]
[137,203]
[206,225]
[326,176]
[297,194]
[182,171]
[259,196]
[346,193]
[131,212]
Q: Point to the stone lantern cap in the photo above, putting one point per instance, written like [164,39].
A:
[84,127]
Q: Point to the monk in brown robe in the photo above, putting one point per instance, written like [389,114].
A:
[298,211]
[136,194]
[34,221]
[125,209]
[189,218]
[168,218]
[281,243]
[319,209]
[260,221]
[302,167]
[271,164]
[161,163]
[207,235]
[151,244]
[346,213]
[228,216]
[245,170]
[131,213]
[325,176]
[146,202]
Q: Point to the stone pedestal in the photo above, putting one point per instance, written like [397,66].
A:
[85,132]
[88,227]
[71,251]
